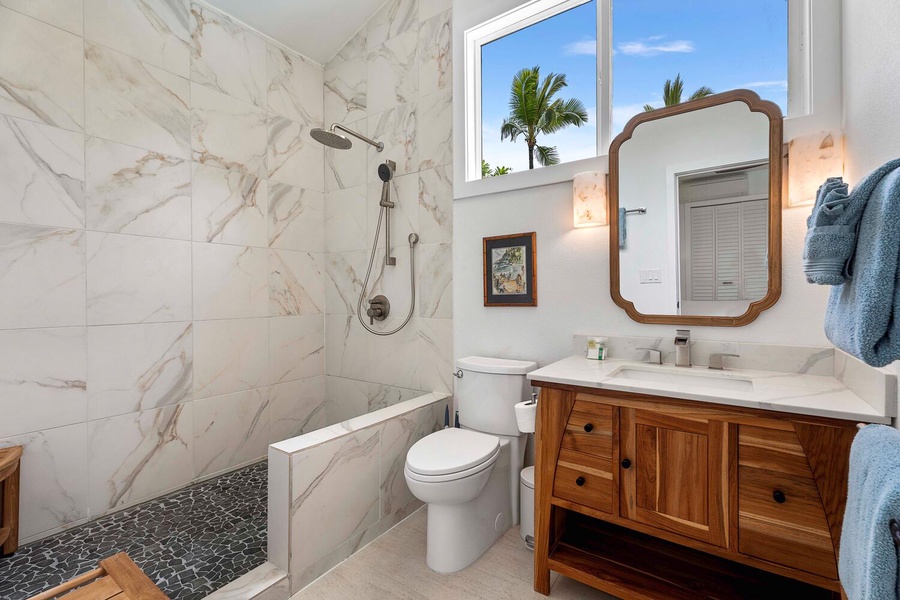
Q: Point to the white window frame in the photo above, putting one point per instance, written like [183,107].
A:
[811,75]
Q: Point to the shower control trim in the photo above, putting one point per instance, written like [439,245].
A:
[379,309]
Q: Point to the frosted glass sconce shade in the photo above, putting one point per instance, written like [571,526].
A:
[589,199]
[811,160]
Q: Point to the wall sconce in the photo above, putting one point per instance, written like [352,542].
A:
[811,160]
[589,199]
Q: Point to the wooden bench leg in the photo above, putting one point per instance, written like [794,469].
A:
[10,512]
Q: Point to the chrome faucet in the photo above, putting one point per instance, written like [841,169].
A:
[682,347]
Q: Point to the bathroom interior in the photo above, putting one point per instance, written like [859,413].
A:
[449,299]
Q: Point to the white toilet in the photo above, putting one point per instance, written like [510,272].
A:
[469,477]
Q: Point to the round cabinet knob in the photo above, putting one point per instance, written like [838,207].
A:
[626,464]
[779,496]
[579,482]
[588,427]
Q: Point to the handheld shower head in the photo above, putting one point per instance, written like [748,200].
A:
[386,170]
[340,142]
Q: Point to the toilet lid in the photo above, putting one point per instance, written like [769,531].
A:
[451,450]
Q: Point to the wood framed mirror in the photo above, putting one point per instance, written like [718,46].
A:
[695,212]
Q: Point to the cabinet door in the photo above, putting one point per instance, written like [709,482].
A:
[674,473]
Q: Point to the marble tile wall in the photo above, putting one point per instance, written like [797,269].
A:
[162,250]
[392,81]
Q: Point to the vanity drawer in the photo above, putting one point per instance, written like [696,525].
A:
[589,429]
[584,479]
[781,517]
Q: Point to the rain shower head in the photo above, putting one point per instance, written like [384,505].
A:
[335,140]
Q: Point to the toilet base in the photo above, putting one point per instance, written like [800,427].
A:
[458,534]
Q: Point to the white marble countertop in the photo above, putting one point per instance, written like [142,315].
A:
[815,395]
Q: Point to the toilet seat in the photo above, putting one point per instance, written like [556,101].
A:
[451,454]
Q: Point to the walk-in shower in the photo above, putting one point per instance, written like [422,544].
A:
[379,306]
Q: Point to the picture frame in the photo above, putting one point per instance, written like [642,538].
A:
[510,270]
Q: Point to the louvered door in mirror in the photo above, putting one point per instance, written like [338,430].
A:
[695,206]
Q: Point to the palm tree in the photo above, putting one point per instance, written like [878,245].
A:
[673,90]
[533,111]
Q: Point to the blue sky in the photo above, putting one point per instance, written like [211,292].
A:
[723,45]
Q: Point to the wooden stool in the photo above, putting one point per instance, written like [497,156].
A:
[9,499]
[117,578]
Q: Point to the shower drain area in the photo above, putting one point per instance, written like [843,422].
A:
[190,543]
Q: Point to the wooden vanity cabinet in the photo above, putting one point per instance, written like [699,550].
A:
[650,497]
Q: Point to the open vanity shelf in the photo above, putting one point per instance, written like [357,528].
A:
[657,498]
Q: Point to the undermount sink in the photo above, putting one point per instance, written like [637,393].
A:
[705,379]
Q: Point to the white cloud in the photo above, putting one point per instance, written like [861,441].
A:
[777,85]
[643,48]
[584,47]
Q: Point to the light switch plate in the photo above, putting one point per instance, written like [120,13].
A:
[651,275]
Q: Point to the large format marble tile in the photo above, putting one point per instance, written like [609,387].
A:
[355,47]
[54,478]
[347,168]
[41,71]
[294,157]
[404,191]
[41,174]
[154,31]
[430,8]
[65,14]
[42,277]
[138,367]
[296,283]
[229,207]
[345,272]
[397,437]
[138,456]
[227,133]
[436,205]
[393,359]
[294,87]
[230,430]
[435,281]
[394,18]
[296,218]
[346,347]
[345,399]
[383,396]
[230,282]
[435,57]
[436,355]
[345,220]
[335,494]
[392,72]
[43,379]
[345,91]
[226,57]
[133,279]
[296,407]
[396,128]
[435,130]
[141,192]
[134,103]
[230,356]
[296,348]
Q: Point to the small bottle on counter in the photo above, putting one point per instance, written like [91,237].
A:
[596,348]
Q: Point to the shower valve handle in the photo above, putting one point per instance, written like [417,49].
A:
[379,308]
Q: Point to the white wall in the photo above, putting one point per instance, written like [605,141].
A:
[573,264]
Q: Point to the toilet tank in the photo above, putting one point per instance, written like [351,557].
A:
[488,390]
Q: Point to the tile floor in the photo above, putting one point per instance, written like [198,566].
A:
[190,543]
[393,567]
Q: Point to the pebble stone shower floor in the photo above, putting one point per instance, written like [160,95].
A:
[190,543]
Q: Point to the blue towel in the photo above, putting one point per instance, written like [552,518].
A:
[622,235]
[868,563]
[831,237]
[863,316]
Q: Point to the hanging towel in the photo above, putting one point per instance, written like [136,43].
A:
[868,563]
[831,237]
[863,315]
[622,236]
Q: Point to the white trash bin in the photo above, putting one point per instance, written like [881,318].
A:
[526,495]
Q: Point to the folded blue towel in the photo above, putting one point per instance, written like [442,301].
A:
[863,316]
[868,564]
[831,237]
[622,215]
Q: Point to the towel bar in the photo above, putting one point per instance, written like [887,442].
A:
[895,531]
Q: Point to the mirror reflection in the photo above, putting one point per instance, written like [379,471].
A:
[693,194]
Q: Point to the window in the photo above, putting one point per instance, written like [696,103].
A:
[617,56]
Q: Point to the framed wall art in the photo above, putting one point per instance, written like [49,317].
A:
[510,270]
